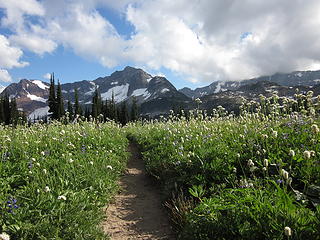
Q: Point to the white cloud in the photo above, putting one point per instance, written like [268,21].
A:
[34,43]
[202,40]
[16,10]
[5,76]
[10,56]
[47,76]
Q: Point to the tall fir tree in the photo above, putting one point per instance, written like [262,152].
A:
[52,98]
[14,113]
[77,107]
[2,117]
[70,110]
[6,109]
[96,104]
[134,110]
[59,102]
[124,116]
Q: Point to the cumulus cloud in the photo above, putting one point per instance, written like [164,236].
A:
[202,40]
[4,76]
[47,76]
[10,56]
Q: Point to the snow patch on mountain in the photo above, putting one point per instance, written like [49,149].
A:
[40,84]
[120,93]
[2,88]
[36,98]
[114,83]
[39,112]
[141,92]
[165,90]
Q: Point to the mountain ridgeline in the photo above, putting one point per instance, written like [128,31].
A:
[155,95]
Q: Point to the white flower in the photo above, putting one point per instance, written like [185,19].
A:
[307,154]
[264,169]
[47,189]
[109,167]
[62,197]
[91,162]
[4,236]
[291,153]
[274,134]
[284,174]
[71,160]
[315,128]
[287,231]
[265,162]
[250,163]
[44,171]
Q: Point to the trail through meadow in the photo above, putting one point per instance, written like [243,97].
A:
[137,212]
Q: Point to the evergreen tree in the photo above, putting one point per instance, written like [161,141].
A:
[59,102]
[96,104]
[6,109]
[2,118]
[70,109]
[113,109]
[77,108]
[14,113]
[124,116]
[134,110]
[52,98]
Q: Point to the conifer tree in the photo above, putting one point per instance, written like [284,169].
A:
[59,102]
[2,118]
[70,109]
[77,108]
[96,104]
[124,116]
[52,98]
[6,109]
[14,113]
[134,110]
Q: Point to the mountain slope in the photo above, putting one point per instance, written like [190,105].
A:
[298,78]
[32,95]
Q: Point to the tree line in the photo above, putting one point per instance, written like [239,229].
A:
[99,109]
[9,113]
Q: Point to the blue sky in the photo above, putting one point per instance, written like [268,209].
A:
[191,43]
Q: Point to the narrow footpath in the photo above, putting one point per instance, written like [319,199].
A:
[137,212]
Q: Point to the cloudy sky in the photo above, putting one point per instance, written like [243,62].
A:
[192,43]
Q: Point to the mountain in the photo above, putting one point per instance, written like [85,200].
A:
[298,78]
[149,91]
[156,95]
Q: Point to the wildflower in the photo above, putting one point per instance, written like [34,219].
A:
[62,197]
[47,189]
[91,162]
[265,162]
[307,154]
[250,163]
[71,160]
[313,153]
[291,153]
[4,236]
[274,133]
[44,171]
[264,169]
[287,231]
[38,164]
[315,128]
[109,167]
[279,181]
[284,174]
[234,170]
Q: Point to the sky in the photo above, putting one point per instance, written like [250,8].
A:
[192,43]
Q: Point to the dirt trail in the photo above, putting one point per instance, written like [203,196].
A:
[137,212]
